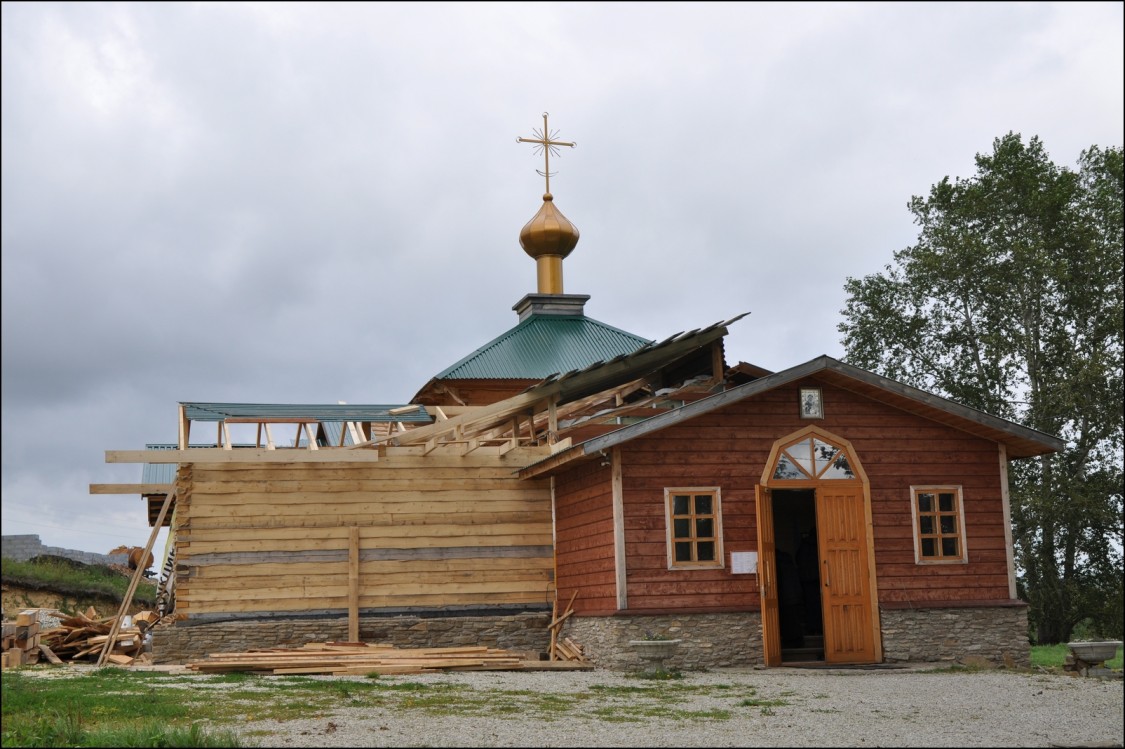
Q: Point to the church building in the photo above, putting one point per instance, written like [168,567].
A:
[819,514]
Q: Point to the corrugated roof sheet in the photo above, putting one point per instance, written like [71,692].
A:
[543,345]
[320,412]
[161,473]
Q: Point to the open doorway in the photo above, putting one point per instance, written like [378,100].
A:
[798,575]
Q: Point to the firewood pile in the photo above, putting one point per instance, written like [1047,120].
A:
[359,659]
[76,639]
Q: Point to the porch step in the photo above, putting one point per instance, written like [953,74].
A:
[801,654]
[812,649]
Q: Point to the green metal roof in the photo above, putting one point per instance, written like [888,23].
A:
[320,412]
[543,345]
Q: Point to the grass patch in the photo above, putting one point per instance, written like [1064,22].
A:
[107,708]
[72,578]
[1054,656]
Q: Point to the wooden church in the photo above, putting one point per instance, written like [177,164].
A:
[822,513]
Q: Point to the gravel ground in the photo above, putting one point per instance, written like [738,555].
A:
[910,706]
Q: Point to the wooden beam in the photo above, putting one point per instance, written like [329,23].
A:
[185,427]
[353,584]
[242,455]
[131,488]
[137,575]
[618,529]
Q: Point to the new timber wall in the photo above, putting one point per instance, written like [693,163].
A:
[404,533]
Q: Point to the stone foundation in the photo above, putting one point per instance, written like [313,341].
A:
[987,636]
[708,640]
[183,642]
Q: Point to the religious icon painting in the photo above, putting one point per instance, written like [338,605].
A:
[812,407]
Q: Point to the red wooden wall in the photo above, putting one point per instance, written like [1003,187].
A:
[729,449]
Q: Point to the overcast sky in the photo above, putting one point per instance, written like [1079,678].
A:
[296,203]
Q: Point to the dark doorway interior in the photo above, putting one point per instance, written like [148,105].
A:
[798,575]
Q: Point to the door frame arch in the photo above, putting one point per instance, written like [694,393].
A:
[764,495]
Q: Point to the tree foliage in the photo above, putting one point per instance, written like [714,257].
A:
[1011,302]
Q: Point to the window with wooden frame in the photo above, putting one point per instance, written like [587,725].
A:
[939,524]
[695,527]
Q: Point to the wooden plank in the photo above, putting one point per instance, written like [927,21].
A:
[130,488]
[137,574]
[235,580]
[50,654]
[480,538]
[353,584]
[338,605]
[243,455]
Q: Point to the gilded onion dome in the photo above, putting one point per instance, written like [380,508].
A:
[549,232]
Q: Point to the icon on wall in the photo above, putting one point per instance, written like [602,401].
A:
[812,407]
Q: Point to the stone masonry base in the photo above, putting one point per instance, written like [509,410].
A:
[986,636]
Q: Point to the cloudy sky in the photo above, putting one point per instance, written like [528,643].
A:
[317,203]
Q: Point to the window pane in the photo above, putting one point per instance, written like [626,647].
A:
[926,523]
[949,547]
[786,469]
[681,528]
[706,551]
[681,504]
[704,528]
[840,468]
[926,502]
[683,551]
[948,524]
[703,504]
[928,548]
[945,502]
[801,454]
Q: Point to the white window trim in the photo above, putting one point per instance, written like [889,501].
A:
[720,559]
[916,531]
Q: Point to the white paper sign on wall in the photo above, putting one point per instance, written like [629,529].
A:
[744,562]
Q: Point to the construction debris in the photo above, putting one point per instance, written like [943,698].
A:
[21,640]
[564,649]
[75,638]
[357,659]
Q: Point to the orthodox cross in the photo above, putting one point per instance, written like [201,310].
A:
[545,142]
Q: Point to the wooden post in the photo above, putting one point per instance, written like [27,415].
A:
[353,584]
[554,631]
[137,574]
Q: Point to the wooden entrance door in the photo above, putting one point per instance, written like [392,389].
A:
[844,574]
[767,577]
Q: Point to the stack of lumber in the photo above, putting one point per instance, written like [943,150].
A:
[564,648]
[360,659]
[21,644]
[83,637]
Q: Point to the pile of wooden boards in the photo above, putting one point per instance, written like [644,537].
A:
[360,659]
[83,637]
[564,648]
[21,645]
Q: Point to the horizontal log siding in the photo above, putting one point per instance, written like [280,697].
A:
[435,532]
[716,449]
[729,449]
[584,539]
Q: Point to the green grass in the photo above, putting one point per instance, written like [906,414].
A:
[106,708]
[118,707]
[74,580]
[1054,656]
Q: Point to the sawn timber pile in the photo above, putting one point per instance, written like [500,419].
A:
[358,659]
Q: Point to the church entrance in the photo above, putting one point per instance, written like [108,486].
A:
[816,569]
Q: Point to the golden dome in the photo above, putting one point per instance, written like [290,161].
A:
[548,232]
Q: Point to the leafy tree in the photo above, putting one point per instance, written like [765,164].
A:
[1011,302]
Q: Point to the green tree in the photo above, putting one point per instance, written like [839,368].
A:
[1011,302]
